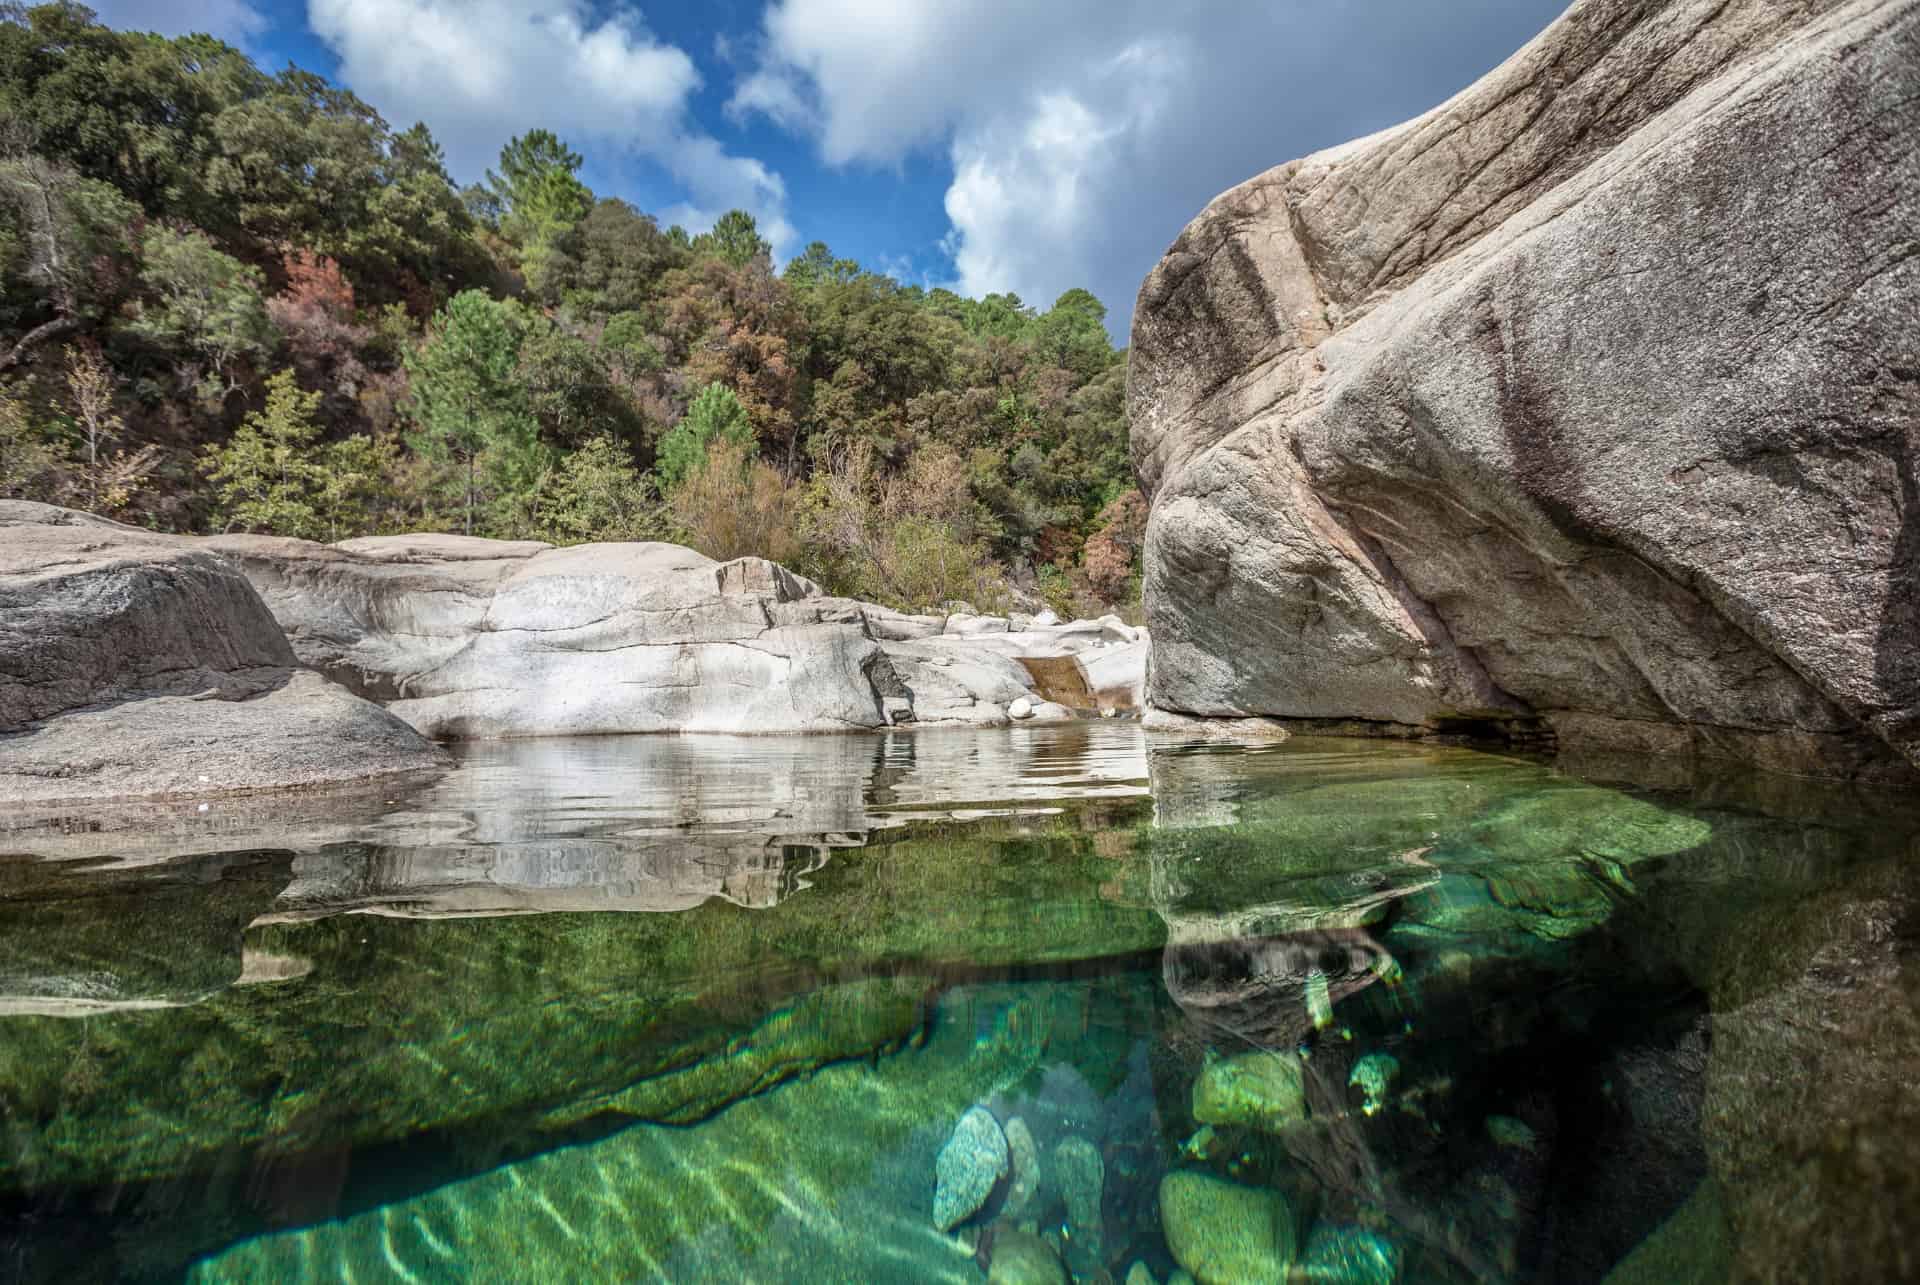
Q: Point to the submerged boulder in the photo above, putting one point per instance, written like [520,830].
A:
[968,1167]
[1082,1176]
[1023,1157]
[140,665]
[1022,1258]
[1583,404]
[1225,1233]
[1259,1090]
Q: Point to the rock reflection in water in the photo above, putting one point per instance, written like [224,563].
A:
[1270,992]
[1456,1016]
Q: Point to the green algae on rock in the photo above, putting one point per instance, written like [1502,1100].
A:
[1373,1075]
[1225,1233]
[1264,1091]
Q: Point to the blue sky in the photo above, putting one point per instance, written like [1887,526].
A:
[980,144]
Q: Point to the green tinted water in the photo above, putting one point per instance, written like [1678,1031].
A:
[686,1009]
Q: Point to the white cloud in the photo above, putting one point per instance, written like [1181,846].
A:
[234,21]
[1083,134]
[481,71]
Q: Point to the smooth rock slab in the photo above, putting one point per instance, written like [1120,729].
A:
[466,638]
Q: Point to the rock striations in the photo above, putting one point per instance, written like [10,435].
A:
[1588,403]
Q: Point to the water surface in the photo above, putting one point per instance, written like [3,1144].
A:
[709,1008]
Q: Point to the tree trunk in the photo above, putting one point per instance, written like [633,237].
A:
[46,330]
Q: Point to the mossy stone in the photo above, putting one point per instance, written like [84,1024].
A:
[1259,1090]
[1225,1233]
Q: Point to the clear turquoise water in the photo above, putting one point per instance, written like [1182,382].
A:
[706,1009]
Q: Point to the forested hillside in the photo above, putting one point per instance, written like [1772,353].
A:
[237,301]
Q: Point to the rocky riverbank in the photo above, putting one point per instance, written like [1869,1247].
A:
[141,665]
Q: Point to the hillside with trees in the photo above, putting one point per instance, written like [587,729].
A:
[236,301]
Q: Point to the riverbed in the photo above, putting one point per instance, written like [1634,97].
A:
[686,1008]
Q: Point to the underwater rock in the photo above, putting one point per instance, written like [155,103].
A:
[1024,1157]
[1260,1090]
[1374,1074]
[1507,1131]
[974,1159]
[1225,1233]
[1139,1275]
[821,1181]
[1020,1258]
[1181,1276]
[1349,1256]
[1082,1176]
[1692,1245]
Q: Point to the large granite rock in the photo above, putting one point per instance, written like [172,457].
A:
[465,637]
[134,664]
[470,638]
[1585,400]
[480,638]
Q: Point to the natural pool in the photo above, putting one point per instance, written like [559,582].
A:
[704,1009]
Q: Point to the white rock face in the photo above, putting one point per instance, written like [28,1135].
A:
[142,665]
[475,639]
[469,638]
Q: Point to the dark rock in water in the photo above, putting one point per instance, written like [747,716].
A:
[968,1167]
[1811,1116]
[1582,403]
[1690,1248]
